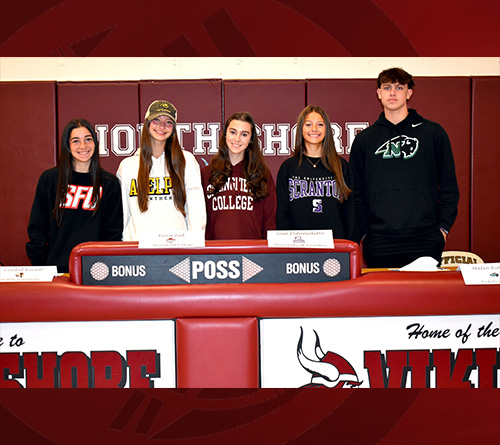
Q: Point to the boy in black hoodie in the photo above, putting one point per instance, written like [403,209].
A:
[404,180]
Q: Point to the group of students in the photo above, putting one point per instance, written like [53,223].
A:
[398,195]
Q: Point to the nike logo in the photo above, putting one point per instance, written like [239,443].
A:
[416,125]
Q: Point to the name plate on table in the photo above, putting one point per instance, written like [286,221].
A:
[316,239]
[484,273]
[307,267]
[27,273]
[161,240]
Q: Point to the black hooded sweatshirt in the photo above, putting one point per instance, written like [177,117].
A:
[404,177]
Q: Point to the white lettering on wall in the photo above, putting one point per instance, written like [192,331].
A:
[123,140]
[102,135]
[274,139]
[206,138]
[352,129]
[181,129]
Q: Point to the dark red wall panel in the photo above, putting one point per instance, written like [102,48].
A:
[485,177]
[111,107]
[199,112]
[352,103]
[275,106]
[117,110]
[28,146]
[446,100]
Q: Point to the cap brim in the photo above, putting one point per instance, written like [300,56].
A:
[155,115]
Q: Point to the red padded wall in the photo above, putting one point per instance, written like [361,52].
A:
[446,100]
[198,102]
[217,352]
[441,99]
[111,104]
[348,103]
[269,102]
[28,147]
[485,177]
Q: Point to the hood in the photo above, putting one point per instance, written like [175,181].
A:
[412,118]
[395,130]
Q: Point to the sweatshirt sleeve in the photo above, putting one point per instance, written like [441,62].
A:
[196,214]
[283,203]
[205,176]
[357,167]
[39,223]
[112,226]
[123,178]
[269,211]
[348,207]
[448,193]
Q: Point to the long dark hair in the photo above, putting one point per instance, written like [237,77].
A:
[255,170]
[174,161]
[65,165]
[329,156]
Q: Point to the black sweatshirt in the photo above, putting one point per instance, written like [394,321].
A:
[308,199]
[50,244]
[404,177]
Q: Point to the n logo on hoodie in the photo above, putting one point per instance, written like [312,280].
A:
[397,146]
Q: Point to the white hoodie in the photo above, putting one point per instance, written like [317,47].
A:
[162,214]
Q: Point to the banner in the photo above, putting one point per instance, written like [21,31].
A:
[381,352]
[89,354]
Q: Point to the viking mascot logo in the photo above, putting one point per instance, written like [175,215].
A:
[328,370]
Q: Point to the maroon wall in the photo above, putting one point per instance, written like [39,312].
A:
[28,146]
[112,107]
[117,109]
[199,112]
[275,106]
[485,209]
[447,100]
[350,104]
